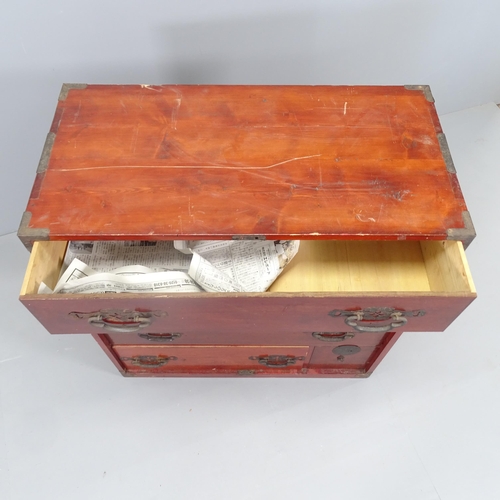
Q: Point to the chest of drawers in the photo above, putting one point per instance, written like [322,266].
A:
[361,175]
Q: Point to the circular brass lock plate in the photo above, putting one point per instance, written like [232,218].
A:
[346,350]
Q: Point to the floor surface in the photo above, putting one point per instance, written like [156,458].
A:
[425,426]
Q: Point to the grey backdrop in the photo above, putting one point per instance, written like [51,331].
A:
[451,45]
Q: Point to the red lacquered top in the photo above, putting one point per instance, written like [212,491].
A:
[275,162]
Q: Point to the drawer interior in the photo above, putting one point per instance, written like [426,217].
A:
[377,266]
[327,266]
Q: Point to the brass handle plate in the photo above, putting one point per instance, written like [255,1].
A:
[333,336]
[397,321]
[105,323]
[376,319]
[160,337]
[345,350]
[277,361]
[149,361]
[118,320]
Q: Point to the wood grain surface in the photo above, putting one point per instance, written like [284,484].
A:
[209,162]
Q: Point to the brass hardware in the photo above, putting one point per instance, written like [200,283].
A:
[29,234]
[445,151]
[424,88]
[244,373]
[105,323]
[276,360]
[119,321]
[259,237]
[394,317]
[333,337]
[66,87]
[43,164]
[150,361]
[346,350]
[160,337]
[397,322]
[465,234]
[340,358]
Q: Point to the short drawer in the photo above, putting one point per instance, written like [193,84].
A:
[363,287]
[347,356]
[210,360]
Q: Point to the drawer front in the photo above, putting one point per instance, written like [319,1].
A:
[347,356]
[211,359]
[247,314]
[213,337]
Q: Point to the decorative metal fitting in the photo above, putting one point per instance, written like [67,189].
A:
[277,361]
[160,337]
[333,336]
[149,361]
[118,321]
[362,320]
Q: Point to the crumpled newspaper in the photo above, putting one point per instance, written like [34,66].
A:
[166,266]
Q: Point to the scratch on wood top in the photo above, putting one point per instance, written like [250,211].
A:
[149,87]
[175,110]
[362,218]
[229,167]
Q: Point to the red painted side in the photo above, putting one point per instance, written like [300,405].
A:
[382,351]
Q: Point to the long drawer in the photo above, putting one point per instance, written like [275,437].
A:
[211,359]
[360,287]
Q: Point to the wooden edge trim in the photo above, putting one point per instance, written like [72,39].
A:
[44,264]
[29,269]
[254,295]
[465,264]
[106,345]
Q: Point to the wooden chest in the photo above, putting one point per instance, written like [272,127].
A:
[362,175]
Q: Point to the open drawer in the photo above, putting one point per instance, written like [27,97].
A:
[364,287]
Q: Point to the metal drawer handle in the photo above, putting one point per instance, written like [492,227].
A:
[160,337]
[398,320]
[385,318]
[118,320]
[149,361]
[119,326]
[277,361]
[333,337]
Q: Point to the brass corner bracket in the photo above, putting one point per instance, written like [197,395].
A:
[423,88]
